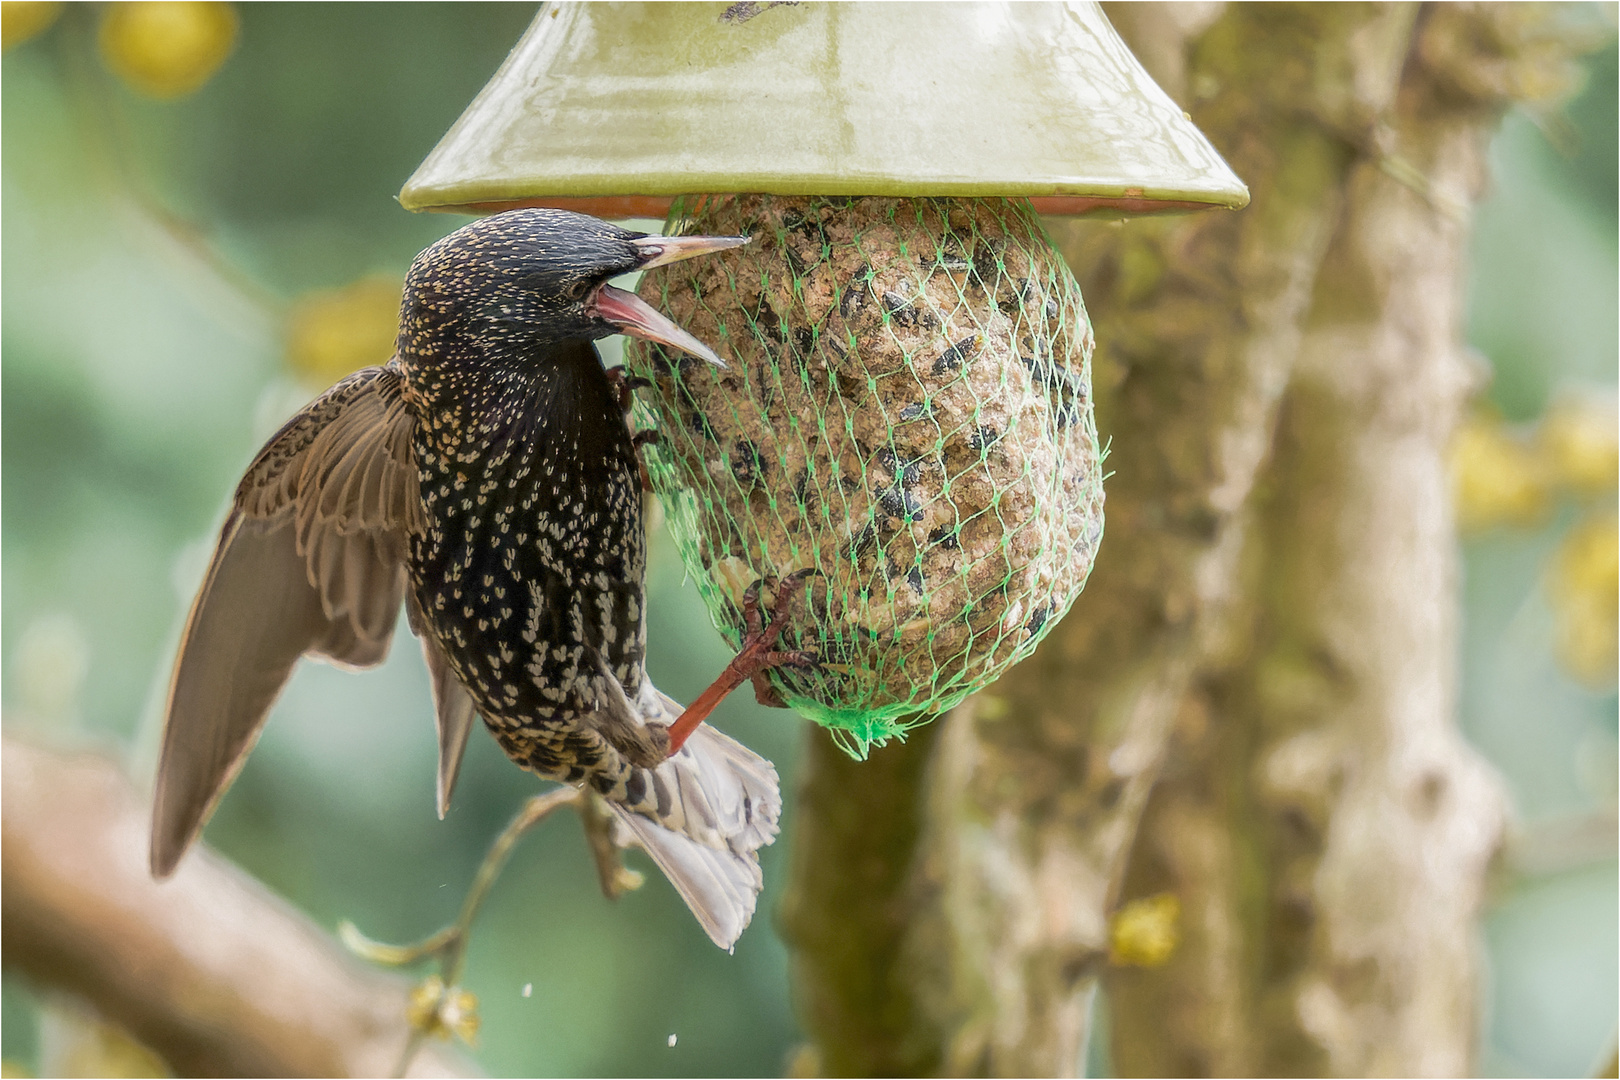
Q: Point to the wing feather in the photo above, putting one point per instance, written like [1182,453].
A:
[453,707]
[310,561]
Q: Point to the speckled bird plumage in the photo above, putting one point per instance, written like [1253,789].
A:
[534,554]
[486,478]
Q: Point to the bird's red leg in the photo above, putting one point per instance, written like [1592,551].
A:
[756,656]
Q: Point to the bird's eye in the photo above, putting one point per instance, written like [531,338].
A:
[577,289]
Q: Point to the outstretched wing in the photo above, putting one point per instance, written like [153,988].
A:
[310,560]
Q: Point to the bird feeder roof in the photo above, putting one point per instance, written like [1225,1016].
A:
[616,108]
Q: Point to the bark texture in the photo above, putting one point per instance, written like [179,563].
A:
[209,970]
[849,907]
[1330,835]
[1291,623]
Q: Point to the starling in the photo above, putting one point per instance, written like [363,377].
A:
[486,477]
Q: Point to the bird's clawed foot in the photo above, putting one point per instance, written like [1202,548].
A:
[645,437]
[625,385]
[757,656]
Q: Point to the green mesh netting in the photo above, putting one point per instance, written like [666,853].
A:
[907,410]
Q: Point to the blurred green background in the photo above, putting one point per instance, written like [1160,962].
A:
[158,260]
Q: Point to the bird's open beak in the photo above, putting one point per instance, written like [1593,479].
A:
[663,250]
[632,316]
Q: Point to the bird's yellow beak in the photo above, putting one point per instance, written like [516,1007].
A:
[663,250]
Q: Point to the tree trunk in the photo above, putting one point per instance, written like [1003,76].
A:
[1330,836]
[1299,640]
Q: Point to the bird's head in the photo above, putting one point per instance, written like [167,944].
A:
[530,277]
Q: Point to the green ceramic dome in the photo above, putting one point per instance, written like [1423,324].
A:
[618,107]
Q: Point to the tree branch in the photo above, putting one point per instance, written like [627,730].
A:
[208,969]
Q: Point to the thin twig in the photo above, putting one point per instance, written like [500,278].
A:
[448,947]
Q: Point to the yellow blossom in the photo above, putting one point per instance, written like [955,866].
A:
[1585,588]
[331,334]
[23,19]
[167,48]
[1144,933]
[1497,478]
[440,1011]
[1580,443]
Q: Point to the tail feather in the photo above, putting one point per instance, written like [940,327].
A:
[743,793]
[725,804]
[720,887]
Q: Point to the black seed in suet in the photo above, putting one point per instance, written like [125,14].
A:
[853,297]
[804,491]
[899,309]
[920,410]
[1037,618]
[805,341]
[1066,389]
[747,464]
[899,502]
[945,537]
[864,542]
[985,268]
[958,354]
[796,262]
